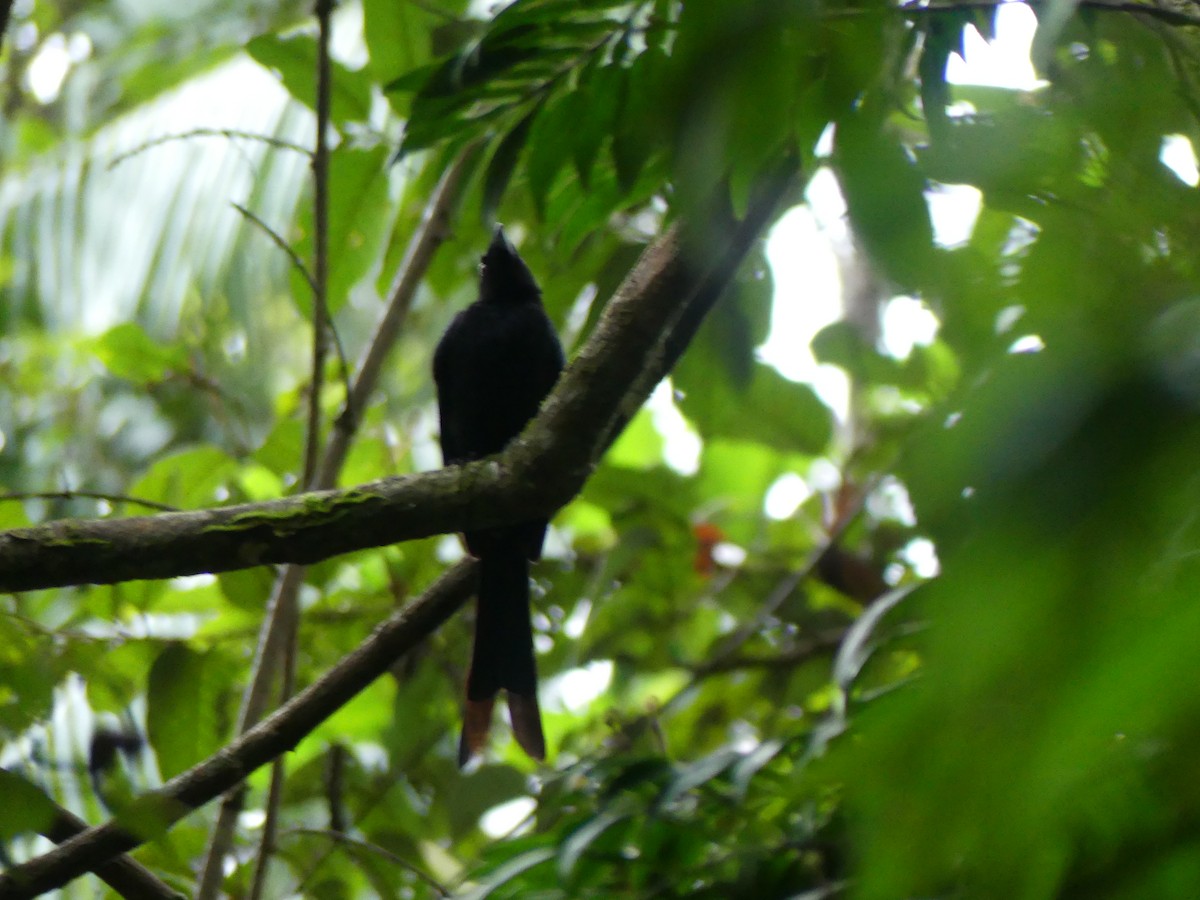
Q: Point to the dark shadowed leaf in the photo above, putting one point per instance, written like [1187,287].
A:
[27,809]
[885,195]
[500,167]
[785,415]
[577,845]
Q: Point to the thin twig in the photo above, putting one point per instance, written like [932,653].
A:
[279,242]
[320,167]
[312,442]
[343,362]
[358,844]
[299,265]
[268,843]
[267,740]
[116,499]
[429,236]
[278,143]
[643,329]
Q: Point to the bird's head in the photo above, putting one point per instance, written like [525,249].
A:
[504,276]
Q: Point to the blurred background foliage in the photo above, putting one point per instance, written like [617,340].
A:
[733,710]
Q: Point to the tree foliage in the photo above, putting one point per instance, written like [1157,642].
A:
[775,706]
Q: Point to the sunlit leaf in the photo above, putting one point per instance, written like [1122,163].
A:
[182,695]
[294,59]
[128,352]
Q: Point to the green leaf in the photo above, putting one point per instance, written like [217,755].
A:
[698,773]
[781,414]
[396,37]
[598,100]
[358,220]
[841,344]
[735,476]
[885,196]
[294,60]
[942,37]
[283,449]
[27,809]
[640,446]
[511,870]
[857,646]
[30,666]
[474,794]
[128,352]
[500,166]
[194,477]
[639,130]
[653,771]
[1014,151]
[150,816]
[739,323]
[575,846]
[551,140]
[182,699]
[247,589]
[1052,21]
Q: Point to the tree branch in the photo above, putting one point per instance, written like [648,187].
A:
[432,233]
[278,240]
[428,237]
[264,742]
[129,878]
[643,330]
[320,169]
[230,133]
[68,495]
[286,610]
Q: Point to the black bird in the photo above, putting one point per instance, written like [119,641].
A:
[493,367]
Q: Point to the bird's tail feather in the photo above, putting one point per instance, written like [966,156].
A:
[502,657]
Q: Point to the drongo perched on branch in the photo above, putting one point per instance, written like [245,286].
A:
[493,367]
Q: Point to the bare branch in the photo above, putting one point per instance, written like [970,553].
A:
[278,143]
[277,239]
[356,845]
[127,877]
[642,331]
[432,233]
[264,742]
[425,242]
[320,168]
[116,499]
